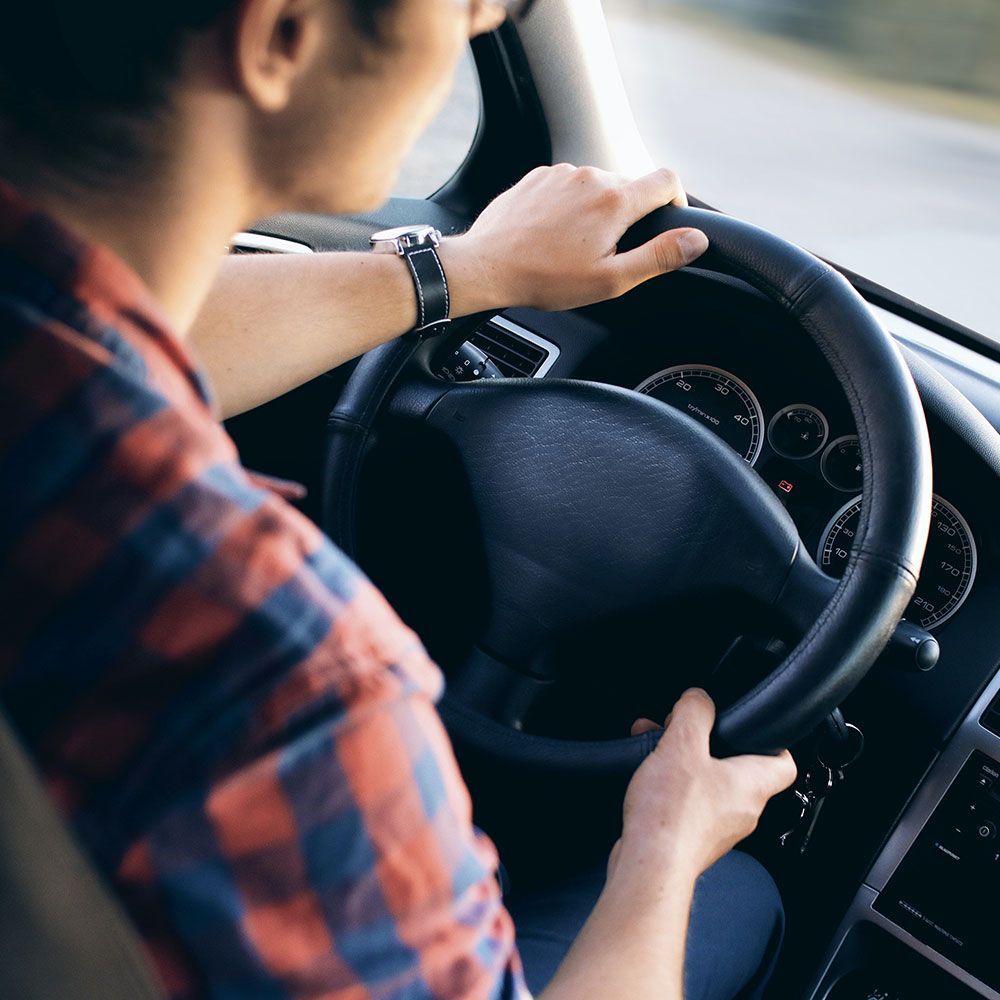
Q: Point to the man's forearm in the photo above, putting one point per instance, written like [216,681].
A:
[272,323]
[550,242]
[633,943]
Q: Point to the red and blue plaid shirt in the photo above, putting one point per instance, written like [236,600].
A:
[239,729]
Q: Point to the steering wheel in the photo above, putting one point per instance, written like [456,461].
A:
[589,496]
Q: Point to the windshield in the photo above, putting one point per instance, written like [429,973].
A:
[865,130]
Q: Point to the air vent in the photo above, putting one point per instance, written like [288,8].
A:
[991,717]
[517,352]
[244,243]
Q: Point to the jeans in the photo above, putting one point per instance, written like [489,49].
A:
[737,923]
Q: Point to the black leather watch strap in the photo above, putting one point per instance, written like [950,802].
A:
[433,300]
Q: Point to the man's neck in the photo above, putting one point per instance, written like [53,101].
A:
[172,231]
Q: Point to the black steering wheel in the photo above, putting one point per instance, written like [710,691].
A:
[589,497]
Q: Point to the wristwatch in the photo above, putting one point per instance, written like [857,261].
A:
[418,246]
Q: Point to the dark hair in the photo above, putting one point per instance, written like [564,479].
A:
[80,80]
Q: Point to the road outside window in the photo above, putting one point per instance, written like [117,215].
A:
[866,130]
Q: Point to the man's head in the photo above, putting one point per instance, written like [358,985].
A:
[311,104]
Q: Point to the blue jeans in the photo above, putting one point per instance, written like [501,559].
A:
[735,933]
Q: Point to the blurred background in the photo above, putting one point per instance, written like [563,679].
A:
[866,130]
[949,44]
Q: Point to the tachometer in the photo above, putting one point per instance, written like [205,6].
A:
[715,398]
[949,563]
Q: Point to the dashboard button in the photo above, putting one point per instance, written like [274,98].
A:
[467,364]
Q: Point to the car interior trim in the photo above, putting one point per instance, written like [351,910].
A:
[971,737]
[262,243]
[551,349]
[574,66]
[862,912]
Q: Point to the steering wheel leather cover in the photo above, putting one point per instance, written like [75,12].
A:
[848,633]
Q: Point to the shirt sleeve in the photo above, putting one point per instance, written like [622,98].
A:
[336,857]
[242,731]
[342,863]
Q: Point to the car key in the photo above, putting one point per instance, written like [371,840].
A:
[823,779]
[805,803]
[840,747]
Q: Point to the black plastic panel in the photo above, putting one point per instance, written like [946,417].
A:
[946,891]
[991,717]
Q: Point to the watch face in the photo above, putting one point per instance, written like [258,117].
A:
[415,234]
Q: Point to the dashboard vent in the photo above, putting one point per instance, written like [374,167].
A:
[517,352]
[246,243]
[991,717]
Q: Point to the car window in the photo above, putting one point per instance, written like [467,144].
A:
[866,130]
[441,150]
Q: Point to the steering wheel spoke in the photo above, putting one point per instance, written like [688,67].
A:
[595,501]
[497,691]
[806,593]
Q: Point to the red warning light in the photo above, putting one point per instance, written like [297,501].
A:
[785,486]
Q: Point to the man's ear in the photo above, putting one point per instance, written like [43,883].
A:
[275,43]
[486,18]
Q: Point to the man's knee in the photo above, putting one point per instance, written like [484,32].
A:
[737,924]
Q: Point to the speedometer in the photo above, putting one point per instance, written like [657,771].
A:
[715,398]
[949,562]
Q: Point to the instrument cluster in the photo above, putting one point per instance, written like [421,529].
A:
[811,459]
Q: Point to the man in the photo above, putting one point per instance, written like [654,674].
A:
[240,731]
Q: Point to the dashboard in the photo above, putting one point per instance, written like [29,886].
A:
[812,462]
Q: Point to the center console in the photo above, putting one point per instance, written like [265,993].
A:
[926,923]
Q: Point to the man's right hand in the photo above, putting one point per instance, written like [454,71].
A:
[684,809]
[551,241]
[685,806]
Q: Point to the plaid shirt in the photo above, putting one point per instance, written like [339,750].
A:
[237,726]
